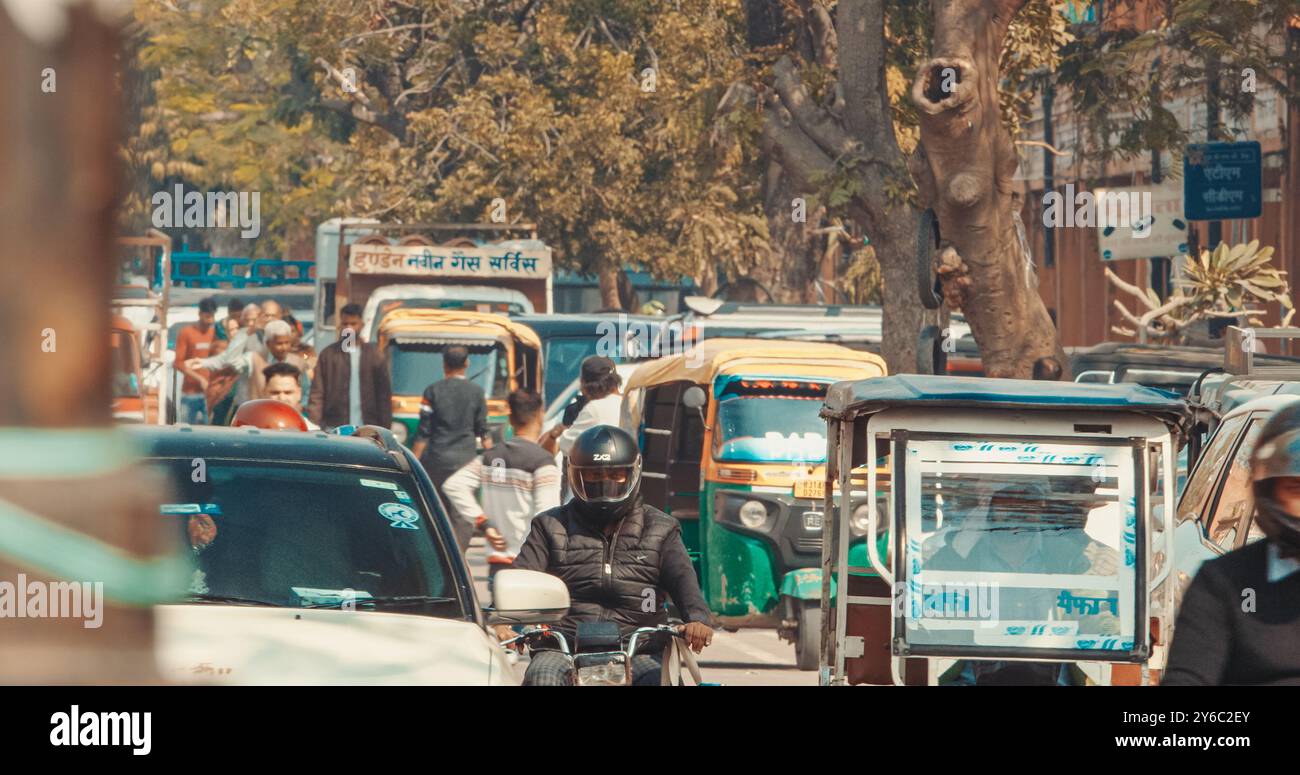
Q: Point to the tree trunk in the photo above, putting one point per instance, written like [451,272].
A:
[790,269]
[895,243]
[58,191]
[966,176]
[609,280]
[810,139]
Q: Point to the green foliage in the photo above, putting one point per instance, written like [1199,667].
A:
[543,105]
[1119,75]
[1232,278]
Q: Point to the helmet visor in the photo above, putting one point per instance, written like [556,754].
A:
[1278,457]
[604,484]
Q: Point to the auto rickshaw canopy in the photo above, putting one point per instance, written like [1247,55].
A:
[704,361]
[851,399]
[448,323]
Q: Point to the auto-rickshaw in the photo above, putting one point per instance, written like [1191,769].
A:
[503,356]
[732,446]
[131,402]
[1028,527]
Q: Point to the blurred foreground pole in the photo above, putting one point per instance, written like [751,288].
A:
[73,505]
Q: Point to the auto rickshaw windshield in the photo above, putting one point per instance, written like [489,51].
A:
[771,421]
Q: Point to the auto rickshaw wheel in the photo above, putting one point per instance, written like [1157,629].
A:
[808,640]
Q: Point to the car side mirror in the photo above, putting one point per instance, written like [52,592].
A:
[527,597]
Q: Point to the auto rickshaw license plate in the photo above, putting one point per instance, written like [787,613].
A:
[810,488]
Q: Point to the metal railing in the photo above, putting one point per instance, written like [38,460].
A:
[195,269]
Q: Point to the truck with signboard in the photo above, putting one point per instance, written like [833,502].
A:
[486,268]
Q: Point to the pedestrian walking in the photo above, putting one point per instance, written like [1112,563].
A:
[351,385]
[518,480]
[280,342]
[235,374]
[195,341]
[601,404]
[453,423]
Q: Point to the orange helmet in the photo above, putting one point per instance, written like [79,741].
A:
[269,414]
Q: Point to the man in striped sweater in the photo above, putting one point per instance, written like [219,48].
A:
[518,480]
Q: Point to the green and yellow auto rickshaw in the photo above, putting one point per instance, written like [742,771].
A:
[503,356]
[733,447]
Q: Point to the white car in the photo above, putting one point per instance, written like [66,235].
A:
[322,559]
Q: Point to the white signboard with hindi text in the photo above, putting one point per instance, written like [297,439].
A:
[491,262]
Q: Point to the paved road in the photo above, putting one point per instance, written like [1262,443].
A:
[744,658]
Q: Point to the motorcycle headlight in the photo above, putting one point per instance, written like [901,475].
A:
[753,514]
[602,670]
[859,521]
[399,430]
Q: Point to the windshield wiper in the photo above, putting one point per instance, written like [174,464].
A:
[393,600]
[229,599]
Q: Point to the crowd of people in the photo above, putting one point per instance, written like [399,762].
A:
[255,351]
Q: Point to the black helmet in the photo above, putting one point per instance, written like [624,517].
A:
[605,472]
[1276,455]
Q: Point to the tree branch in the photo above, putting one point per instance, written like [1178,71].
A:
[812,119]
[800,156]
[385,31]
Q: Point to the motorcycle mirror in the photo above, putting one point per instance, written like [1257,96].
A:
[528,597]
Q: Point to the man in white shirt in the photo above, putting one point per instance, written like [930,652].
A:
[599,386]
[518,480]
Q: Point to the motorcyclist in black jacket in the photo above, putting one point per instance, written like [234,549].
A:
[617,555]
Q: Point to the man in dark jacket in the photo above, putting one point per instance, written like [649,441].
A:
[351,385]
[453,417]
[1240,619]
[617,555]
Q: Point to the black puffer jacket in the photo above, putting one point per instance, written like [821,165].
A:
[622,580]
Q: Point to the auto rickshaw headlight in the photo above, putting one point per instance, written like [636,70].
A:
[858,523]
[399,432]
[753,514]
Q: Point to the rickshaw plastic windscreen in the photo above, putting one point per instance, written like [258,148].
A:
[1019,545]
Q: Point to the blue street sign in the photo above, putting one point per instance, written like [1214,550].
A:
[1222,181]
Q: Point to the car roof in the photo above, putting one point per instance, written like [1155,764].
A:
[846,399]
[588,323]
[1269,403]
[1109,355]
[205,441]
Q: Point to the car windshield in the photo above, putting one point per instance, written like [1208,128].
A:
[308,535]
[415,366]
[564,358]
[772,427]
